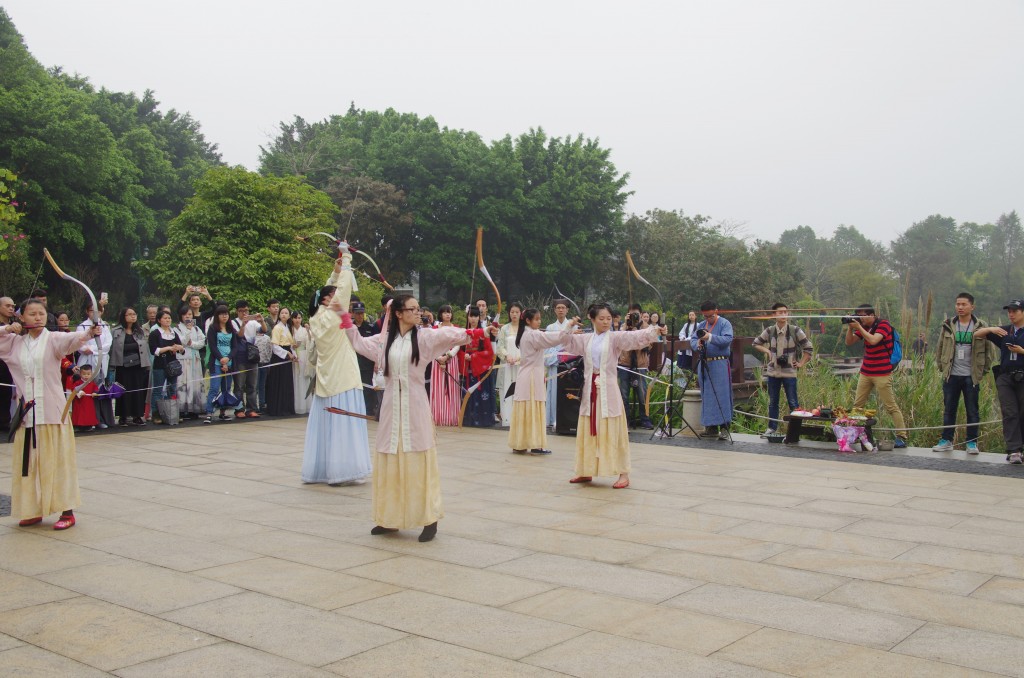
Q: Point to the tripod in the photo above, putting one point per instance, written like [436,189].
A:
[702,353]
[672,407]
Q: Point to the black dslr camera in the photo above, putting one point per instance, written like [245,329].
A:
[782,361]
[632,320]
[847,319]
[701,332]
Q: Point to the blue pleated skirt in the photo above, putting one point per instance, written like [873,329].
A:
[337,448]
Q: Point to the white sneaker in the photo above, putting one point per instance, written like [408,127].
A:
[943,446]
[972,448]
[769,432]
[1015,458]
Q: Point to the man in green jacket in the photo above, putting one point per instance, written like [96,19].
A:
[964,358]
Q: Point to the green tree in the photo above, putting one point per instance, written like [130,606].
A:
[239,236]
[551,208]
[924,256]
[101,172]
[377,219]
[1006,247]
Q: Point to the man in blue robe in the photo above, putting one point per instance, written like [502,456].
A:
[712,342]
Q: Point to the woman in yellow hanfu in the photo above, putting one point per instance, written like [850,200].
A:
[602,435]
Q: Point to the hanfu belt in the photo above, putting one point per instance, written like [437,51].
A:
[721,357]
[593,404]
[30,443]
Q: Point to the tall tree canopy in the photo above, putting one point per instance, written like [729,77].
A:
[101,173]
[551,207]
[239,236]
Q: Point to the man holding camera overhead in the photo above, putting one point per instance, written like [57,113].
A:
[876,368]
[788,349]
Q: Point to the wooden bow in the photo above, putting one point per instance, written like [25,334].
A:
[497,294]
[632,269]
[354,250]
[94,316]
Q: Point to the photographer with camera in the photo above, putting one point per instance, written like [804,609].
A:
[876,369]
[788,349]
[637,362]
[1010,376]
[712,347]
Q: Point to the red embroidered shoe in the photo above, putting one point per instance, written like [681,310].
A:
[64,523]
[581,479]
[30,521]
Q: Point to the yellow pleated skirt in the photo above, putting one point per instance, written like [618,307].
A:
[406,489]
[529,428]
[607,453]
[51,485]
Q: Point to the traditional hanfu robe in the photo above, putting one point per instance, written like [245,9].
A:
[96,352]
[445,389]
[301,370]
[337,449]
[83,409]
[554,357]
[280,382]
[44,479]
[716,381]
[406,481]
[602,435]
[191,385]
[528,428]
[477,358]
[509,356]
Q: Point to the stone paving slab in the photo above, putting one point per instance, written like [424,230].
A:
[200,552]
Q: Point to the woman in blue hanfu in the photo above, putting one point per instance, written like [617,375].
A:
[337,448]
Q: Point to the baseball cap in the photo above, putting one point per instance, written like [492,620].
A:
[1017,304]
[357,307]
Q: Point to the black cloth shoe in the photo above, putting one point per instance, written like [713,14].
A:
[428,532]
[538,452]
[377,529]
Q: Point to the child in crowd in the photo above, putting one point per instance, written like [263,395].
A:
[83,410]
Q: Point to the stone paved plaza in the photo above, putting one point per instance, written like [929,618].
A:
[200,553]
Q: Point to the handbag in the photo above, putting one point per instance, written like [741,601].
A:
[252,353]
[168,410]
[173,368]
[132,360]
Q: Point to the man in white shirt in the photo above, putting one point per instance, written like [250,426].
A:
[96,356]
[553,357]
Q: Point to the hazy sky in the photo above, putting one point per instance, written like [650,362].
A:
[874,113]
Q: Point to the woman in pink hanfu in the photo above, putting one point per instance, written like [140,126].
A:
[406,482]
[602,436]
[44,479]
[528,428]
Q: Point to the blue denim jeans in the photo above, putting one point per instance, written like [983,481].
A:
[951,390]
[625,382]
[164,387]
[217,383]
[774,384]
